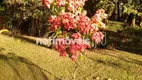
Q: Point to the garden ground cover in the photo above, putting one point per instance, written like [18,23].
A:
[22,60]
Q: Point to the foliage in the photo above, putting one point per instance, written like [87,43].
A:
[108,5]
[23,14]
[129,8]
[93,5]
[70,23]
[133,6]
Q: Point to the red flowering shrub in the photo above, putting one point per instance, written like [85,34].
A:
[68,21]
[76,35]
[84,24]
[73,30]
[97,37]
[55,21]
[74,48]
[47,3]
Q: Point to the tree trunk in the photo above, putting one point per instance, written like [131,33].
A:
[132,19]
[133,22]
[1,22]
[116,12]
[118,8]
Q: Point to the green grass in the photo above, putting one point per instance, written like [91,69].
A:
[21,60]
[119,26]
[115,26]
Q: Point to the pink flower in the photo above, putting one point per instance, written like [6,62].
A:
[60,46]
[97,37]
[74,57]
[101,13]
[55,22]
[47,3]
[76,35]
[94,28]
[71,6]
[68,21]
[73,48]
[61,2]
[82,47]
[74,5]
[63,53]
[84,24]
[96,18]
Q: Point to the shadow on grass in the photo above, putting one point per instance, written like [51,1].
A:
[109,63]
[129,61]
[22,68]
[114,64]
[129,40]
[1,49]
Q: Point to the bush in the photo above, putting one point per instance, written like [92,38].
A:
[29,16]
[71,29]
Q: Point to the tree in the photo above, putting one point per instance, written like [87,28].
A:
[71,29]
[93,5]
[131,11]
[29,16]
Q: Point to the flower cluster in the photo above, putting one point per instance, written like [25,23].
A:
[55,21]
[84,24]
[68,20]
[71,5]
[73,47]
[61,47]
[47,3]
[61,2]
[71,21]
[74,5]
[73,25]
[64,19]
[97,18]
[97,37]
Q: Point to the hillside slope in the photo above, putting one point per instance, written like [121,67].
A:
[21,60]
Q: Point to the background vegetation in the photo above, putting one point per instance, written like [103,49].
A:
[30,17]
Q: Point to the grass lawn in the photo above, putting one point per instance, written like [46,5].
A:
[118,26]
[115,26]
[21,60]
